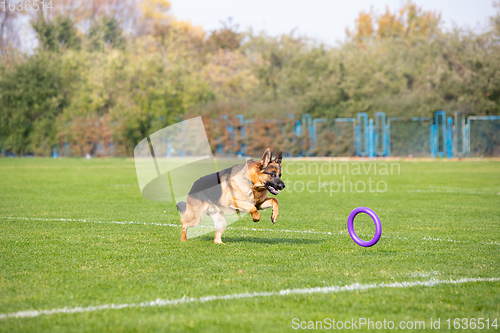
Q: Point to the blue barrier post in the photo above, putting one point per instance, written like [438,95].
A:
[364,135]
[381,132]
[449,138]
[357,140]
[388,138]
[371,139]
[440,122]
[467,138]
[459,146]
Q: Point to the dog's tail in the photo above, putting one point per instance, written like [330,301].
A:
[181,206]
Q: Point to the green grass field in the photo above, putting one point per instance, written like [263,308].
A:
[441,221]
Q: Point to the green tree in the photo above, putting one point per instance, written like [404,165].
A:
[53,35]
[226,38]
[33,93]
[410,22]
[106,32]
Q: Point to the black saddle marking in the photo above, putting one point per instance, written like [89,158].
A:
[207,188]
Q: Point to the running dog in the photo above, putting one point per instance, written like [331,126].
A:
[243,187]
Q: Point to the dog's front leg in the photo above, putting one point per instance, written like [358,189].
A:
[247,207]
[268,203]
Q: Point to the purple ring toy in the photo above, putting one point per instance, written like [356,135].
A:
[375,218]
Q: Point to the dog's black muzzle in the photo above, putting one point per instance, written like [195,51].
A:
[274,186]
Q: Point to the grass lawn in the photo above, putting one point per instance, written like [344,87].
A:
[59,248]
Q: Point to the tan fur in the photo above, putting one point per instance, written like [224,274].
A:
[243,190]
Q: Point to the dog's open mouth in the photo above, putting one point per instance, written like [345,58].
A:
[271,189]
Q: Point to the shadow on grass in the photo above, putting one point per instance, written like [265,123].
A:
[265,240]
[380,252]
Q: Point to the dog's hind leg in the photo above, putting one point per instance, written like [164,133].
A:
[183,233]
[181,207]
[190,218]
[220,226]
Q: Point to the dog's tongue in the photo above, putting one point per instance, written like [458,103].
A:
[273,190]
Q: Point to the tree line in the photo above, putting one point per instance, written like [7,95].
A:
[108,71]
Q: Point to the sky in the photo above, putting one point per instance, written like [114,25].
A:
[322,20]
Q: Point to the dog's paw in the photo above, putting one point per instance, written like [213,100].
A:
[256,216]
[183,235]
[274,217]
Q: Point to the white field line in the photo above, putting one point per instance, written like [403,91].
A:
[457,191]
[87,221]
[232,228]
[159,224]
[284,292]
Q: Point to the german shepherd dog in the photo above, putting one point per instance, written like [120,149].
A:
[243,187]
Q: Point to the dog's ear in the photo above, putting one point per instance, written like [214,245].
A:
[279,157]
[266,158]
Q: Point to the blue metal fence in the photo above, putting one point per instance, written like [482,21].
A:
[442,136]
[482,136]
